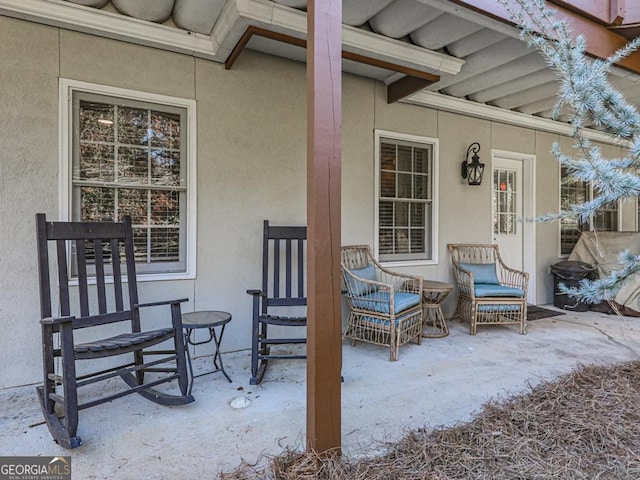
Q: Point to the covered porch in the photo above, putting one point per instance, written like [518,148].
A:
[441,382]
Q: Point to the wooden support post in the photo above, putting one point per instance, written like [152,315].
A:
[324,152]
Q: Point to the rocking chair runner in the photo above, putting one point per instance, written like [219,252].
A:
[283,275]
[98,247]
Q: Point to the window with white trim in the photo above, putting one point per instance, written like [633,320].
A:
[577,192]
[130,156]
[405,207]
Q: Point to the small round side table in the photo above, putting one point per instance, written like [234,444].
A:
[433,294]
[210,319]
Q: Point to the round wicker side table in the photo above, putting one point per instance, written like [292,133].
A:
[433,294]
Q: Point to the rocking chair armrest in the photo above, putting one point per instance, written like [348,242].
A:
[57,320]
[256,292]
[164,302]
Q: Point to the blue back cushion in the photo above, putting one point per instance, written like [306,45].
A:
[482,273]
[366,273]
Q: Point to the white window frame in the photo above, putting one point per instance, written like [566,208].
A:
[590,223]
[65,131]
[434,143]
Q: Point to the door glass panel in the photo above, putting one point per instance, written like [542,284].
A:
[505,202]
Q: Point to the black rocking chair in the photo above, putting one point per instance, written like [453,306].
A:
[91,252]
[283,275]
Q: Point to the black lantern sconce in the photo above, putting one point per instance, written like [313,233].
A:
[474,169]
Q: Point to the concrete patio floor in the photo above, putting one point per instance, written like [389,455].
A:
[441,382]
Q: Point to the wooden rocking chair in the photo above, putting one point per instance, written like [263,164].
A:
[93,253]
[283,291]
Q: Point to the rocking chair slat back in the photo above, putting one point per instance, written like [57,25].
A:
[102,254]
[43,266]
[63,278]
[83,287]
[117,275]
[287,242]
[99,262]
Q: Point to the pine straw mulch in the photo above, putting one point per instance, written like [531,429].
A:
[584,425]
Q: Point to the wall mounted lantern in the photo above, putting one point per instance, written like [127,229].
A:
[474,169]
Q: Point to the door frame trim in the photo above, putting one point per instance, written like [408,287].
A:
[528,211]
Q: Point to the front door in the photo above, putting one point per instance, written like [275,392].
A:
[507,210]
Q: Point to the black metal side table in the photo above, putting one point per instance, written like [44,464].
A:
[210,319]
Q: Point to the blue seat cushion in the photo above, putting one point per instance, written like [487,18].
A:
[495,290]
[379,301]
[482,272]
[380,321]
[367,273]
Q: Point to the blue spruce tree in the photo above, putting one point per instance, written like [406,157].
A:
[591,100]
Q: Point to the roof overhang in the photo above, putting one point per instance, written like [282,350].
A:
[468,50]
[602,42]
[237,17]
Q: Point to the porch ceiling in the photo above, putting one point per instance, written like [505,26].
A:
[447,45]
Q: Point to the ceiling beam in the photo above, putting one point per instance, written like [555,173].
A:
[299,42]
[414,80]
[601,41]
[606,12]
[238,15]
[490,58]
[404,87]
[631,12]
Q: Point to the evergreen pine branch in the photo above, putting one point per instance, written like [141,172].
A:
[595,291]
[585,91]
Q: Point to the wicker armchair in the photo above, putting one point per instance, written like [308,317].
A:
[489,291]
[386,307]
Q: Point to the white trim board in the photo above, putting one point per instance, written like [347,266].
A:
[435,238]
[488,112]
[93,21]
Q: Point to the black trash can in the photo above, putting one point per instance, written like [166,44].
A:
[570,273]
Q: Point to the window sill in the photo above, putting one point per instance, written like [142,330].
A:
[142,277]
[155,277]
